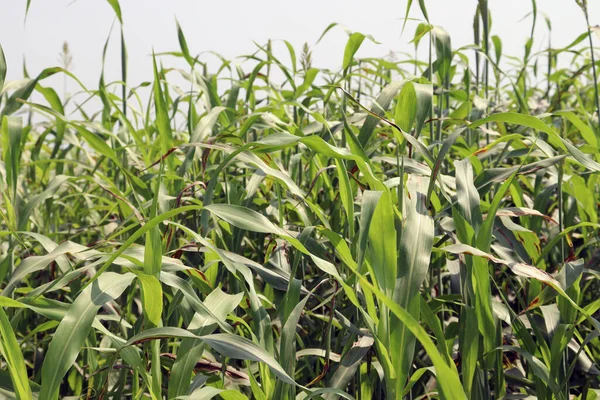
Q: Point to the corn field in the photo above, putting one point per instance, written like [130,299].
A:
[419,228]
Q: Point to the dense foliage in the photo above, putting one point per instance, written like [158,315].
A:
[272,230]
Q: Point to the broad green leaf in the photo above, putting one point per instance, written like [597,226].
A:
[205,315]
[287,345]
[414,255]
[424,93]
[497,47]
[443,49]
[74,328]
[450,387]
[540,370]
[219,304]
[229,345]
[406,108]
[349,364]
[52,188]
[370,200]
[352,47]
[466,193]
[485,233]
[382,243]
[583,128]
[435,325]
[309,78]
[237,347]
[469,347]
[414,378]
[152,297]
[11,351]
[36,263]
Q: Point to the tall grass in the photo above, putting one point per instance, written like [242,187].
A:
[272,230]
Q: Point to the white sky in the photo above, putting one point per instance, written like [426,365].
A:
[230,27]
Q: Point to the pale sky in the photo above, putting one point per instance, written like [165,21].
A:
[230,27]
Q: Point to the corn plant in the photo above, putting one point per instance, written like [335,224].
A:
[395,228]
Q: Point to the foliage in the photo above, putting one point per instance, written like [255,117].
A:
[273,230]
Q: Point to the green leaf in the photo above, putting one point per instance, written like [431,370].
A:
[228,345]
[36,263]
[408,5]
[163,125]
[11,351]
[219,304]
[154,247]
[519,269]
[443,49]
[450,386]
[139,233]
[183,44]
[349,364]
[209,392]
[309,78]
[15,101]
[382,243]
[352,47]
[2,69]
[12,131]
[240,348]
[247,219]
[466,194]
[152,297]
[414,378]
[346,194]
[51,189]
[406,108]
[554,138]
[95,142]
[497,47]
[73,329]
[469,346]
[415,252]
[424,93]
[117,9]
[370,199]
[436,326]
[287,345]
[584,129]
[539,369]
[438,162]
[485,234]
[379,108]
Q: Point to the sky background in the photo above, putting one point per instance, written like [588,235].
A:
[229,27]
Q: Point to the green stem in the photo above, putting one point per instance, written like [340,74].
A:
[597,101]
